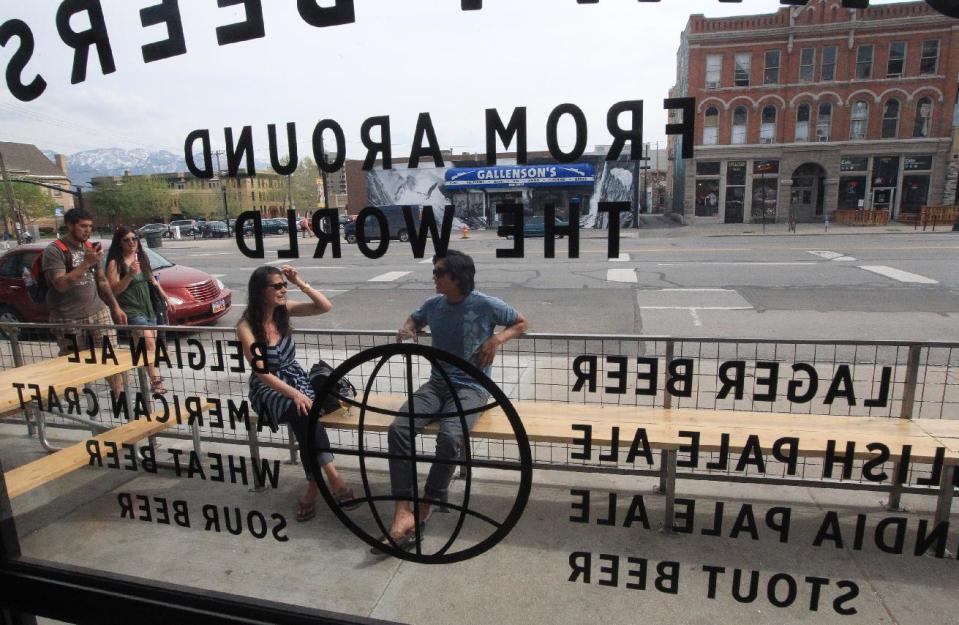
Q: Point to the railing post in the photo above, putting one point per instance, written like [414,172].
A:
[28,414]
[667,398]
[912,376]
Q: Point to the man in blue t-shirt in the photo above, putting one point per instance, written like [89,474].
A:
[461,321]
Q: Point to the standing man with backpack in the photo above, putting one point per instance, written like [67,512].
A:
[77,289]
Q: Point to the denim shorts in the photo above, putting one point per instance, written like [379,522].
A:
[140,320]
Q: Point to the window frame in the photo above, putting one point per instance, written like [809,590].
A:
[834,50]
[714,126]
[718,82]
[764,126]
[863,121]
[901,60]
[809,67]
[804,138]
[923,57]
[865,74]
[736,70]
[820,123]
[920,118]
[774,68]
[744,126]
[883,134]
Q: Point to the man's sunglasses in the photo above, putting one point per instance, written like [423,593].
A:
[439,272]
[278,285]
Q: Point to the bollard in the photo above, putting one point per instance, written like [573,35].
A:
[466,231]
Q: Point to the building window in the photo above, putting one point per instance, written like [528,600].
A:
[707,189]
[739,125]
[807,60]
[864,62]
[711,126]
[767,131]
[930,57]
[890,119]
[743,65]
[852,191]
[771,71]
[735,203]
[802,123]
[923,118]
[714,66]
[828,63]
[824,122]
[897,59]
[860,120]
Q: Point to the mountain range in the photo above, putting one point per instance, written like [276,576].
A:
[83,166]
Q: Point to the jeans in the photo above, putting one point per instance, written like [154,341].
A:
[300,426]
[432,398]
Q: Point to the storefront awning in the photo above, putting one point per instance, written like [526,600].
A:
[500,176]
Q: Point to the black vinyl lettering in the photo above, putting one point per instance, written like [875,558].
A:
[639,574]
[377,147]
[795,386]
[515,128]
[239,223]
[510,227]
[614,209]
[737,381]
[620,135]
[640,447]
[362,241]
[582,506]
[167,12]
[882,399]
[852,591]
[841,386]
[250,28]
[584,376]
[93,450]
[241,149]
[777,519]
[829,529]
[680,384]
[340,13]
[770,381]
[667,577]
[552,142]
[586,442]
[684,513]
[293,156]
[687,127]
[713,572]
[326,236]
[279,528]
[651,375]
[617,374]
[752,590]
[424,128]
[319,149]
[786,450]
[18,61]
[752,454]
[204,136]
[551,230]
[832,458]
[938,537]
[636,512]
[876,462]
[612,571]
[692,449]
[579,565]
[427,227]
[97,36]
[791,590]
[126,505]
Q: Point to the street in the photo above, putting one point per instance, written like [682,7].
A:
[681,282]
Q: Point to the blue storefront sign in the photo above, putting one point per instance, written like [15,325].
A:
[500,176]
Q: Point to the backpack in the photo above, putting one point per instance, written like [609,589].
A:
[38,287]
[343,389]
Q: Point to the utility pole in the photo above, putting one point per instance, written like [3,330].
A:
[10,199]
[641,202]
[226,211]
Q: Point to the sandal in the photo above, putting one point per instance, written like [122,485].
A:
[305,511]
[405,542]
[347,499]
[158,387]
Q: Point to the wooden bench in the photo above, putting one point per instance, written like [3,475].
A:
[552,422]
[933,215]
[33,474]
[861,217]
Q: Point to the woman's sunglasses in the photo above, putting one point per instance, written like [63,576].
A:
[130,239]
[439,272]
[278,285]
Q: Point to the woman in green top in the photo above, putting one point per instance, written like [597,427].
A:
[130,276]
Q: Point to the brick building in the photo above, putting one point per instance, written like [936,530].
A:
[816,108]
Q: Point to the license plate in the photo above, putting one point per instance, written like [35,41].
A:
[219,306]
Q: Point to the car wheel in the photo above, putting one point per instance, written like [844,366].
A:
[9,315]
[281,230]
[404,236]
[351,238]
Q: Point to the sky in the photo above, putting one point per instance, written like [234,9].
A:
[399,58]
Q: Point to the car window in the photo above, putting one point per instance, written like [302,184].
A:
[157,261]
[11,266]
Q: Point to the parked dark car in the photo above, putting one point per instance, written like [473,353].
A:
[187,227]
[200,298]
[275,225]
[535,226]
[396,225]
[216,230]
[162,229]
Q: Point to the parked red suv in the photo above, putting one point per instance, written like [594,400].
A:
[200,299]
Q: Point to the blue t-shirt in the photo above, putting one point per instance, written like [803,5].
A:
[461,328]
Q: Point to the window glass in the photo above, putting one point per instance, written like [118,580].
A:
[767,130]
[890,119]
[771,70]
[854,163]
[807,60]
[707,197]
[802,122]
[885,171]
[923,118]
[714,64]
[930,57]
[711,126]
[917,162]
[765,193]
[707,168]
[743,64]
[864,61]
[766,167]
[739,125]
[897,59]
[828,63]
[852,191]
[860,119]
[736,173]
[824,122]
[915,193]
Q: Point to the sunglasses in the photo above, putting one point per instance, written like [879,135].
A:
[439,272]
[130,239]
[278,285]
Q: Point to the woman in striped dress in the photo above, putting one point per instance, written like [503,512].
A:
[283,394]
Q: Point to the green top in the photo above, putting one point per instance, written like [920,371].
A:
[135,300]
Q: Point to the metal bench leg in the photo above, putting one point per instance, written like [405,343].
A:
[661,488]
[258,485]
[291,445]
[944,502]
[894,503]
[670,490]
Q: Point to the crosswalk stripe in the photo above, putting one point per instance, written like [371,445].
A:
[898,274]
[621,275]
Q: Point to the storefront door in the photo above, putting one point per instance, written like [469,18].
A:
[883,198]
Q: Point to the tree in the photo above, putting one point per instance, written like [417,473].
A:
[34,201]
[131,199]
[307,186]
[200,203]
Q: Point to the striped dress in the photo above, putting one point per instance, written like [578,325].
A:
[281,362]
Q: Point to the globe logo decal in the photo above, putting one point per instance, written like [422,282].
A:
[478,521]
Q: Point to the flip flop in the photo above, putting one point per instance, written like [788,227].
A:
[347,499]
[405,542]
[305,511]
